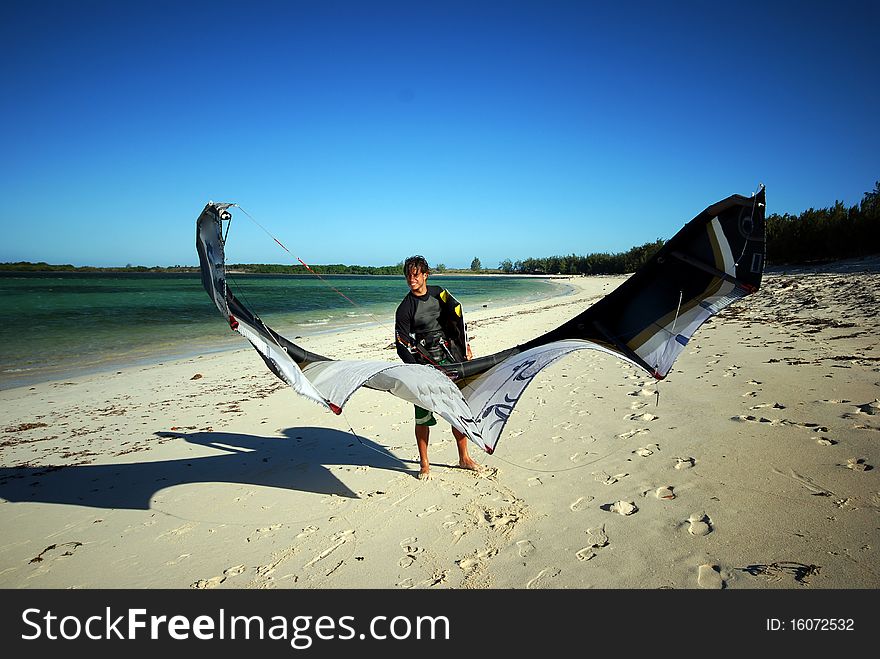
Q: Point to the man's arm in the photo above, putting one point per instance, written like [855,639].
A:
[402,325]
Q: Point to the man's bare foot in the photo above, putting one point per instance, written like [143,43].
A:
[469,464]
[425,474]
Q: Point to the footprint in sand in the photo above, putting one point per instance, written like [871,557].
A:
[525,548]
[814,427]
[213,582]
[411,549]
[534,481]
[204,584]
[263,531]
[858,464]
[543,575]
[632,433]
[580,504]
[605,479]
[621,507]
[409,545]
[273,527]
[597,536]
[645,451]
[684,463]
[748,417]
[647,416]
[596,539]
[709,576]
[468,564]
[775,406]
[824,441]
[871,408]
[665,492]
[731,371]
[428,511]
[699,524]
[585,554]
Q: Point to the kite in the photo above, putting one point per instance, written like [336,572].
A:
[714,260]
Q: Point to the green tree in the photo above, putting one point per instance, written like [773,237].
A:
[506,266]
[871,201]
[475,265]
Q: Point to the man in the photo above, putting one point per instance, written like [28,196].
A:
[421,339]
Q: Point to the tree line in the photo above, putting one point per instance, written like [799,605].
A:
[42,266]
[327,269]
[589,264]
[824,234]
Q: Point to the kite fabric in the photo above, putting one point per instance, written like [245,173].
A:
[714,260]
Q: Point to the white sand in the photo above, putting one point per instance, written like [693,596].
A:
[757,470]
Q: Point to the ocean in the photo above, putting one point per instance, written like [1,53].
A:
[59,325]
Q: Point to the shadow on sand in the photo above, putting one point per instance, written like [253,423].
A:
[294,462]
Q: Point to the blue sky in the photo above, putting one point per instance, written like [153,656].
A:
[363,132]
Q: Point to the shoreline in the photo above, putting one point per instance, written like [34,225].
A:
[338,321]
[757,468]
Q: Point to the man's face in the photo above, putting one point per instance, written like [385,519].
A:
[417,280]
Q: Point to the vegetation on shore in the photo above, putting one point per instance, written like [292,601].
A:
[826,234]
[42,266]
[816,235]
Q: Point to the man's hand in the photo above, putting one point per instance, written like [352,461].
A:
[470,354]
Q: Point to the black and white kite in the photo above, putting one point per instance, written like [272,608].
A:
[714,260]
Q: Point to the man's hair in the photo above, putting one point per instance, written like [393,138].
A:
[417,262]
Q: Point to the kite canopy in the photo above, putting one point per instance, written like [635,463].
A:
[714,260]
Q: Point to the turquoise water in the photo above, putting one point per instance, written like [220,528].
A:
[60,325]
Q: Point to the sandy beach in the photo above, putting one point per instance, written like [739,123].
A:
[753,465]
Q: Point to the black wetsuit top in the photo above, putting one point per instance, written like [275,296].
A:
[417,322]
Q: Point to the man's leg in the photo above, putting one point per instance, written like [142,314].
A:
[464,460]
[422,433]
[424,421]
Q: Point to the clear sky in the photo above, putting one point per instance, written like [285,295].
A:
[362,132]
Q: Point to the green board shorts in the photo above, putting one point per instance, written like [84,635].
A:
[424,417]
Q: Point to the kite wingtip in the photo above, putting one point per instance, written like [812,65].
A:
[334,408]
